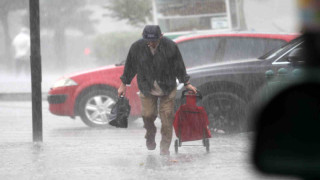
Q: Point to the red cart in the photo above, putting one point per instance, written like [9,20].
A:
[191,121]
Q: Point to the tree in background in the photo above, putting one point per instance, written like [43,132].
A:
[60,15]
[113,47]
[6,6]
[136,12]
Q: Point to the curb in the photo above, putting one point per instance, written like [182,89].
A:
[25,96]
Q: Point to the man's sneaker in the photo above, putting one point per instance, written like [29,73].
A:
[164,152]
[150,142]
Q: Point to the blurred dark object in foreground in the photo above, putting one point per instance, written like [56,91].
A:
[312,49]
[287,138]
[120,113]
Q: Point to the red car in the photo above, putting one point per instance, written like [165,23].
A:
[91,94]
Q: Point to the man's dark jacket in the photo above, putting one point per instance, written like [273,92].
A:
[164,66]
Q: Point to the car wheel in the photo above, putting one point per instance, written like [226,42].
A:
[95,106]
[226,112]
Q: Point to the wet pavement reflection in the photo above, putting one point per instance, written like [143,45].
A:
[71,150]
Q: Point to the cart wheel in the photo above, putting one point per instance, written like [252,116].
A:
[179,139]
[176,145]
[179,142]
[207,144]
[204,137]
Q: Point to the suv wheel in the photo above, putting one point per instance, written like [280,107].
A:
[226,112]
[95,106]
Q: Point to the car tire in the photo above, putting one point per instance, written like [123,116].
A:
[227,112]
[95,106]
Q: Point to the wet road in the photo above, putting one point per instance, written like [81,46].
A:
[73,151]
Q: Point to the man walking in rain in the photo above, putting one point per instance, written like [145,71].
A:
[157,62]
[21,44]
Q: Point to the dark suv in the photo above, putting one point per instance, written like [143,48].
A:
[229,87]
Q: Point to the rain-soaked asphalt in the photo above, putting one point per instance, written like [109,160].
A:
[70,150]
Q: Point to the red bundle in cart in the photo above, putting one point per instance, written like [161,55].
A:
[191,121]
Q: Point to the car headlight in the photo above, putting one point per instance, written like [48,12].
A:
[64,82]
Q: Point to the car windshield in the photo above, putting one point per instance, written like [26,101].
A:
[277,52]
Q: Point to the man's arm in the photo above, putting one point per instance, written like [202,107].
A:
[129,72]
[130,69]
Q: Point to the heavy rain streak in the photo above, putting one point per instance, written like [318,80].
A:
[226,50]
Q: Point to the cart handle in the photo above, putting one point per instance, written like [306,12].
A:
[198,94]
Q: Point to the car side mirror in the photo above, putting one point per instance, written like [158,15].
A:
[296,56]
